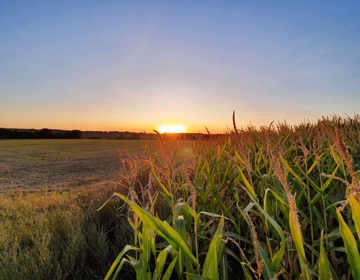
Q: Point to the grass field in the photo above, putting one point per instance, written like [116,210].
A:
[54,164]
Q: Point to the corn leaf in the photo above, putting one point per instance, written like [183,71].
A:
[116,262]
[355,209]
[162,186]
[146,245]
[118,270]
[329,180]
[337,159]
[267,272]
[243,178]
[210,267]
[315,163]
[139,269]
[160,263]
[163,229]
[169,270]
[224,267]
[324,266]
[290,168]
[277,258]
[351,249]
[298,240]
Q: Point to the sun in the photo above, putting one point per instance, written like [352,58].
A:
[172,128]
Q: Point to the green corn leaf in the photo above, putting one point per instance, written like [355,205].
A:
[325,185]
[329,180]
[351,249]
[146,245]
[229,252]
[247,184]
[311,182]
[104,204]
[289,168]
[337,159]
[163,229]
[277,258]
[221,151]
[139,269]
[315,163]
[324,266]
[239,158]
[189,268]
[267,208]
[169,270]
[160,262]
[238,237]
[116,262]
[118,270]
[299,244]
[210,267]
[355,209]
[211,214]
[224,267]
[162,186]
[175,239]
[334,235]
[279,198]
[145,216]
[267,272]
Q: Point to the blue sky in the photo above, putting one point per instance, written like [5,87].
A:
[136,65]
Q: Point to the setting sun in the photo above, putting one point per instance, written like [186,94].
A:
[172,129]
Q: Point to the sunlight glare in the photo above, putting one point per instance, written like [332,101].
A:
[172,129]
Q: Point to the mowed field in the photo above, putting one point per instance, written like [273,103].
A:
[53,164]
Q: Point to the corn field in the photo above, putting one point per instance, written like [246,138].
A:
[277,202]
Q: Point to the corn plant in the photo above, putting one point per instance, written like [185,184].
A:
[278,202]
[186,265]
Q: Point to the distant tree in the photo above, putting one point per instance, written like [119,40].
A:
[5,133]
[45,133]
[74,134]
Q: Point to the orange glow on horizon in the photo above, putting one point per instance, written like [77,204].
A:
[172,128]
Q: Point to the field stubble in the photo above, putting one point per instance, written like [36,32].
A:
[53,164]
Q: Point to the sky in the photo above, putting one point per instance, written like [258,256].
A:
[138,65]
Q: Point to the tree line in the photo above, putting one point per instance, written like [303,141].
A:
[44,133]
